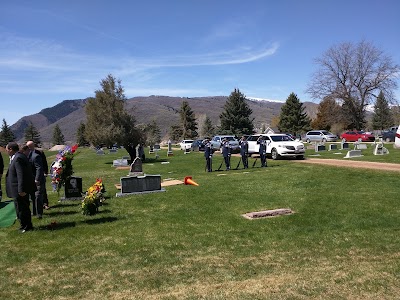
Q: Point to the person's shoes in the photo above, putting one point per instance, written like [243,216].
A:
[26,229]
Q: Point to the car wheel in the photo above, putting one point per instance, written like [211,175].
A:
[274,154]
[308,141]
[300,157]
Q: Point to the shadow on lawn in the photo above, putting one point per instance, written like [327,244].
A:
[61,213]
[100,220]
[57,225]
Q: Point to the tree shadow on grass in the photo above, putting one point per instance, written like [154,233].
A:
[57,225]
[61,213]
[100,220]
[64,205]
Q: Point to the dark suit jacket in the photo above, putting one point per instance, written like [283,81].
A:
[1,164]
[37,166]
[19,177]
[44,161]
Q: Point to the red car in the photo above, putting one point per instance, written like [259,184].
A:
[354,136]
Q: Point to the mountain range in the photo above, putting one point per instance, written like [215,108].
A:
[68,114]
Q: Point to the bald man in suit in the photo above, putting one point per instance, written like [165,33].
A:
[20,184]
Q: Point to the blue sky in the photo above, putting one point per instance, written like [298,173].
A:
[52,51]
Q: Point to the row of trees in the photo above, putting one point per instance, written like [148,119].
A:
[350,77]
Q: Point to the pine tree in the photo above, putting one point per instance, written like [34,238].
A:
[152,133]
[6,134]
[293,119]
[188,121]
[382,114]
[175,132]
[80,135]
[207,129]
[32,134]
[328,114]
[107,120]
[235,119]
[58,137]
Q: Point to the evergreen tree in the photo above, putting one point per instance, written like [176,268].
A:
[175,132]
[235,119]
[58,137]
[80,135]
[32,134]
[382,115]
[152,133]
[293,119]
[328,114]
[207,129]
[188,121]
[107,120]
[6,135]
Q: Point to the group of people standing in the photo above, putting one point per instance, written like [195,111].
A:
[25,181]
[226,151]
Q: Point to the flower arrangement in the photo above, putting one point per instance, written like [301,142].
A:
[94,198]
[61,168]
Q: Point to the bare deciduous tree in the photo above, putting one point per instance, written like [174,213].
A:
[354,74]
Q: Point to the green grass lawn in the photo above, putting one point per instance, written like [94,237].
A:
[191,242]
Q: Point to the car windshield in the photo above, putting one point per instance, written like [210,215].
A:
[361,132]
[188,142]
[280,138]
[327,132]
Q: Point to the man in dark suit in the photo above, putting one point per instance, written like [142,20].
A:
[40,173]
[226,153]
[262,151]
[1,173]
[244,151]
[20,184]
[208,152]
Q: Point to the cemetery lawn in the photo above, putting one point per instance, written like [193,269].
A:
[191,242]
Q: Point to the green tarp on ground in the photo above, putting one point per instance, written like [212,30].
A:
[7,214]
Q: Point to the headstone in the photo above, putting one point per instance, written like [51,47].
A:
[380,149]
[319,147]
[169,152]
[353,153]
[345,145]
[136,167]
[157,148]
[126,157]
[332,147]
[120,163]
[151,150]
[140,184]
[73,188]
[100,152]
[113,150]
[360,146]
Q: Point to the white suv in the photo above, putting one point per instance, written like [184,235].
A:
[278,145]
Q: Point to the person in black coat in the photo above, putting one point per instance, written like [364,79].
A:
[262,151]
[208,153]
[20,184]
[1,173]
[226,153]
[244,152]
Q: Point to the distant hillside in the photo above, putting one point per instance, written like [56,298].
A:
[163,109]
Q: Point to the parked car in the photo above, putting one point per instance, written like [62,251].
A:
[217,140]
[278,145]
[198,144]
[320,136]
[353,136]
[186,144]
[389,135]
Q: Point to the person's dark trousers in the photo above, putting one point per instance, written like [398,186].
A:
[227,162]
[209,164]
[23,211]
[263,159]
[37,201]
[245,162]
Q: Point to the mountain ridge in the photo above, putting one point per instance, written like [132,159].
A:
[68,114]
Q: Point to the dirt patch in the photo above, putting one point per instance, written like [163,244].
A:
[353,164]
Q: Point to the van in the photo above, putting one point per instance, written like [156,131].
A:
[320,136]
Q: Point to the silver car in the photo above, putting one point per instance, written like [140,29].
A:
[320,136]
